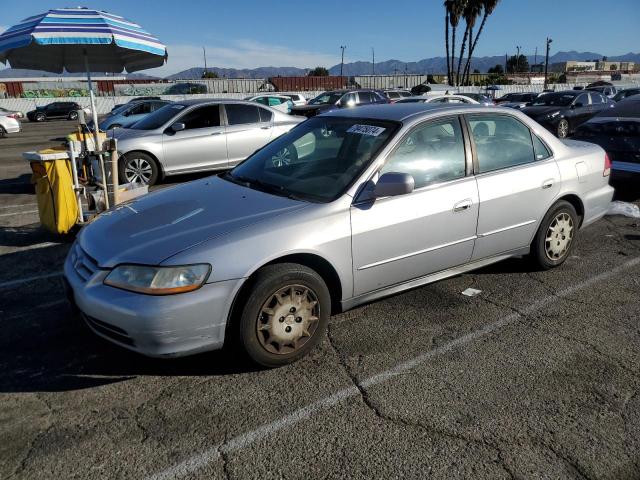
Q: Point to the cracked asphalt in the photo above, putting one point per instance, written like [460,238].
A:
[536,377]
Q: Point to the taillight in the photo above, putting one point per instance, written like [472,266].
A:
[607,166]
[13,115]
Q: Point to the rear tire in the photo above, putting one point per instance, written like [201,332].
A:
[40,117]
[138,167]
[556,236]
[73,115]
[285,314]
[3,132]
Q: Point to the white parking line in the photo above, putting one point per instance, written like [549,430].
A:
[202,459]
[14,283]
[17,213]
[18,205]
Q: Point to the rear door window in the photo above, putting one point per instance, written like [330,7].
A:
[241,114]
[265,115]
[501,141]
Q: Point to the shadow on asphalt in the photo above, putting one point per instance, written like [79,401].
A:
[29,235]
[20,184]
[55,352]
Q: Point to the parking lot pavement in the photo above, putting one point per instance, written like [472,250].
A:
[535,377]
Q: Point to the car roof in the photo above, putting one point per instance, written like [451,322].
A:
[204,101]
[398,112]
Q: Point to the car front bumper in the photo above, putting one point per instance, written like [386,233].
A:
[156,326]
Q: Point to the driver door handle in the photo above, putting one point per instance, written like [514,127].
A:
[462,205]
[216,133]
[547,184]
[266,128]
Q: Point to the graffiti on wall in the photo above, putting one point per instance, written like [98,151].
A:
[148,89]
[55,93]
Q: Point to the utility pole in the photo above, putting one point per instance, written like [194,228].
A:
[535,57]
[342,60]
[506,56]
[373,61]
[204,54]
[517,69]
[546,62]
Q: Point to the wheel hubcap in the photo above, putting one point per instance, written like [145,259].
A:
[288,319]
[138,170]
[559,236]
[563,129]
[283,157]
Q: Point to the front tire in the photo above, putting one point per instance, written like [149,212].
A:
[73,115]
[138,167]
[285,314]
[40,117]
[563,128]
[556,235]
[3,132]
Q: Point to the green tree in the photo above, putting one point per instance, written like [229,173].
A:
[497,69]
[318,72]
[209,74]
[488,6]
[517,64]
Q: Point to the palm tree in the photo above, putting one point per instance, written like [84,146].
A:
[470,13]
[455,12]
[488,7]
[447,9]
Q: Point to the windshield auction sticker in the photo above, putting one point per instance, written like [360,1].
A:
[370,130]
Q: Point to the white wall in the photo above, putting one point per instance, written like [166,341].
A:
[105,104]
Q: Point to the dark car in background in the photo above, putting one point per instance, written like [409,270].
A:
[135,99]
[627,92]
[516,100]
[68,110]
[562,112]
[617,131]
[606,90]
[336,99]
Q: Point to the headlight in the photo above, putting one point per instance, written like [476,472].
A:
[158,280]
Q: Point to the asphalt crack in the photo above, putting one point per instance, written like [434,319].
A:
[572,464]
[22,466]
[402,422]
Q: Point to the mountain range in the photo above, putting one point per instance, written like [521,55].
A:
[389,67]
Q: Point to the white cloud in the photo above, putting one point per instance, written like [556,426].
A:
[241,54]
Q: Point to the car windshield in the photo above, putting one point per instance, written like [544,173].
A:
[317,160]
[326,98]
[159,117]
[554,100]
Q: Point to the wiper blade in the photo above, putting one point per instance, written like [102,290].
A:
[263,186]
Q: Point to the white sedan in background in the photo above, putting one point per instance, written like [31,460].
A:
[439,99]
[8,125]
[278,102]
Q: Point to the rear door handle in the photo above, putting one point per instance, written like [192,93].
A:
[462,205]
[547,184]
[216,133]
[266,128]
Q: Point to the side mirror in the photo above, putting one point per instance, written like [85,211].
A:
[393,183]
[178,127]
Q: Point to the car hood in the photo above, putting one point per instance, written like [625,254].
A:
[164,223]
[541,110]
[122,134]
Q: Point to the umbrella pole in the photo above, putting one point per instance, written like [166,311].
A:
[95,131]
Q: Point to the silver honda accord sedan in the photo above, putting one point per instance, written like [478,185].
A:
[379,199]
[197,135]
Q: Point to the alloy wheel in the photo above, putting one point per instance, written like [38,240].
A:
[559,236]
[281,158]
[563,129]
[288,319]
[138,170]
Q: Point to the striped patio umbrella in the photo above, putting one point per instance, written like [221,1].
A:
[80,40]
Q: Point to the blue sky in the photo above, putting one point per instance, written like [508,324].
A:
[248,34]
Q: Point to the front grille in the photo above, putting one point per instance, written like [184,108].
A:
[83,264]
[115,333]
